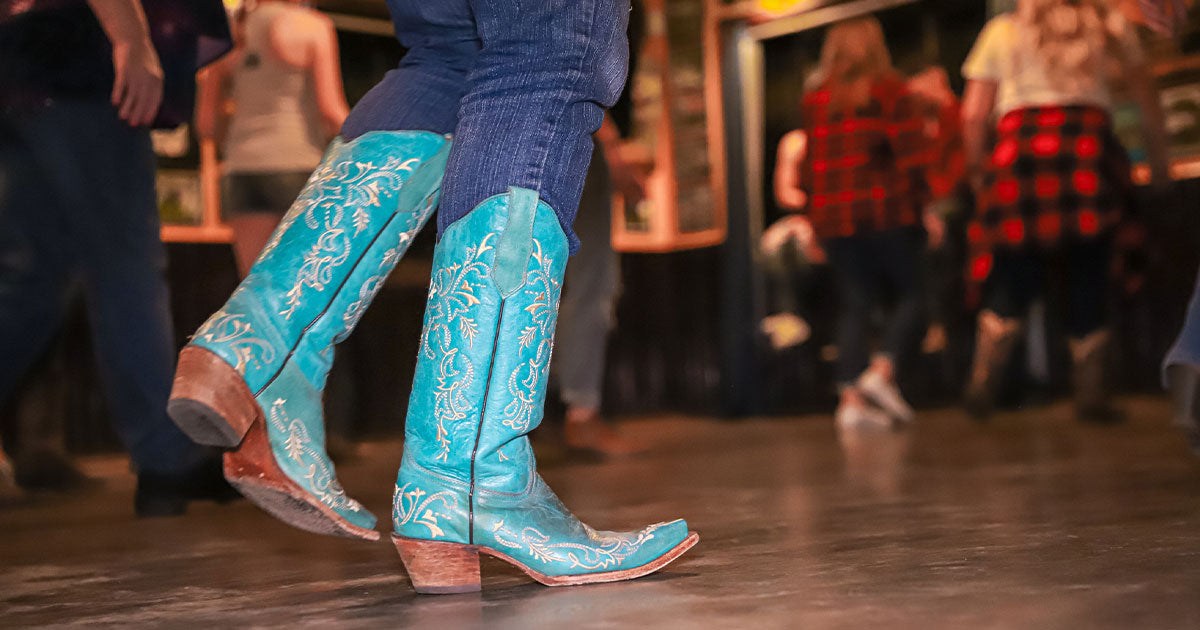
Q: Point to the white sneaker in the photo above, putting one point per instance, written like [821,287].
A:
[886,395]
[861,417]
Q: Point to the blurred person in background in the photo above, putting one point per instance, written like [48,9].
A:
[285,85]
[788,269]
[863,188]
[593,280]
[1181,373]
[1056,183]
[942,115]
[593,284]
[81,85]
[489,119]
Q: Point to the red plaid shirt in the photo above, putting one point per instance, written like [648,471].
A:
[865,169]
[948,165]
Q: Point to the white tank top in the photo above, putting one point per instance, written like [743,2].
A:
[276,126]
[1004,53]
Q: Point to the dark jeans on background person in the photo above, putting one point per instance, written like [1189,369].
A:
[521,83]
[1072,276]
[1186,350]
[589,298]
[77,205]
[866,268]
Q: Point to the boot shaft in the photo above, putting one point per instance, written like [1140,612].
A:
[480,383]
[254,373]
[356,207]
[468,482]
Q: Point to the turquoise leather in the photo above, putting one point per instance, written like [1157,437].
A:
[308,289]
[469,474]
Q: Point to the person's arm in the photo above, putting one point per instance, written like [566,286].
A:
[788,159]
[789,195]
[327,79]
[978,102]
[915,154]
[210,97]
[138,84]
[626,178]
[309,40]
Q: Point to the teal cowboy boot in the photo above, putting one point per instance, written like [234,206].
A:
[252,376]
[468,482]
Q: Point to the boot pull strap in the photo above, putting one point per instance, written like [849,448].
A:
[516,242]
[427,177]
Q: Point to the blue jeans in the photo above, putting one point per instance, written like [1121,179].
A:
[1186,350]
[522,85]
[866,267]
[77,203]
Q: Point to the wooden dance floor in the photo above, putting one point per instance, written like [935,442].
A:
[1030,521]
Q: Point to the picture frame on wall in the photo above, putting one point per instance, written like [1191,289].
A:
[673,122]
[179,197]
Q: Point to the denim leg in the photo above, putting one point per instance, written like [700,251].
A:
[1087,282]
[1186,350]
[103,172]
[849,260]
[1015,282]
[592,284]
[899,259]
[545,72]
[424,91]
[33,274]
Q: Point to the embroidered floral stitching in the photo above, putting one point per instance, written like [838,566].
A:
[318,472]
[413,506]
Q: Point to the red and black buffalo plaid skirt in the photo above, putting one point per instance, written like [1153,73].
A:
[1056,173]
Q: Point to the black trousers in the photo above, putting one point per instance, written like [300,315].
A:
[78,206]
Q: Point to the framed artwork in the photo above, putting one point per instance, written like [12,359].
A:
[672,126]
[179,197]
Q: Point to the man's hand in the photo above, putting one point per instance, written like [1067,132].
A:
[627,182]
[138,88]
[138,83]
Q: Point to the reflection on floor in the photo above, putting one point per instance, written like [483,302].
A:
[1031,521]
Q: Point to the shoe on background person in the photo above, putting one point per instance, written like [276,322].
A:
[1089,375]
[785,330]
[50,471]
[996,338]
[586,431]
[160,494]
[878,385]
[1181,373]
[1183,382]
[856,413]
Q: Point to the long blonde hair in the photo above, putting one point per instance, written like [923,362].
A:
[853,57]
[1080,41]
